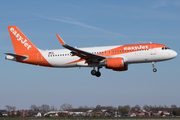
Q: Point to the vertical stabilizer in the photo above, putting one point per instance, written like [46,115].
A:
[20,42]
[25,51]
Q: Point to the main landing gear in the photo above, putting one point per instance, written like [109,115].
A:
[154,69]
[96,73]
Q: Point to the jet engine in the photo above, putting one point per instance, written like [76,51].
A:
[117,64]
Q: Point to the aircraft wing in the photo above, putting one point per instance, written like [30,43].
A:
[89,57]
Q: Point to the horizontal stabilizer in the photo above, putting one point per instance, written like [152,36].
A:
[17,56]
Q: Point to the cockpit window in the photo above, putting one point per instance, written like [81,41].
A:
[165,48]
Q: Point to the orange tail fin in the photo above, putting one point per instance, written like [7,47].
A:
[25,51]
[20,42]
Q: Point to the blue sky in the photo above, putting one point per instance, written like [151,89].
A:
[84,24]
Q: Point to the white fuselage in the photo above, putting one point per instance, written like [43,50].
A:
[60,58]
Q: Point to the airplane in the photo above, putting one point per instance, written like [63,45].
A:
[116,57]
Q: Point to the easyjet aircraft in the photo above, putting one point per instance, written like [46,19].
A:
[116,58]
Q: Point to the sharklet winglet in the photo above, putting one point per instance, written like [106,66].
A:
[60,40]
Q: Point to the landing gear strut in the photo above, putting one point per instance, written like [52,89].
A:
[154,69]
[96,73]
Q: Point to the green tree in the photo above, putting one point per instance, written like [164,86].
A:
[125,112]
[18,113]
[1,114]
[124,109]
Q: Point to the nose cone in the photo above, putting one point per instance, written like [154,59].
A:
[174,54]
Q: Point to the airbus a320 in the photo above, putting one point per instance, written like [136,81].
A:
[116,57]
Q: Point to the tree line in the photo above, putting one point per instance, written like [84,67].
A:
[173,109]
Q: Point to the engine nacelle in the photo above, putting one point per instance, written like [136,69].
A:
[117,64]
[122,68]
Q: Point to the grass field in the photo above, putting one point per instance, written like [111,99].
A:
[94,118]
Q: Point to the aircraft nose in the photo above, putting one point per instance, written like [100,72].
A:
[174,54]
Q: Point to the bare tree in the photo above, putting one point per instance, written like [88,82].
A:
[33,107]
[146,107]
[66,107]
[98,108]
[13,108]
[45,108]
[173,106]
[53,108]
[8,107]
[81,108]
[137,108]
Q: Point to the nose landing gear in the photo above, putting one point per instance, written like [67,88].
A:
[154,69]
[96,73]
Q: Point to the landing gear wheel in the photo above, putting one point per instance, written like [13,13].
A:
[93,72]
[98,74]
[154,70]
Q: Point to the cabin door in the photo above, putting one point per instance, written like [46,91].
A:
[39,57]
[153,49]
